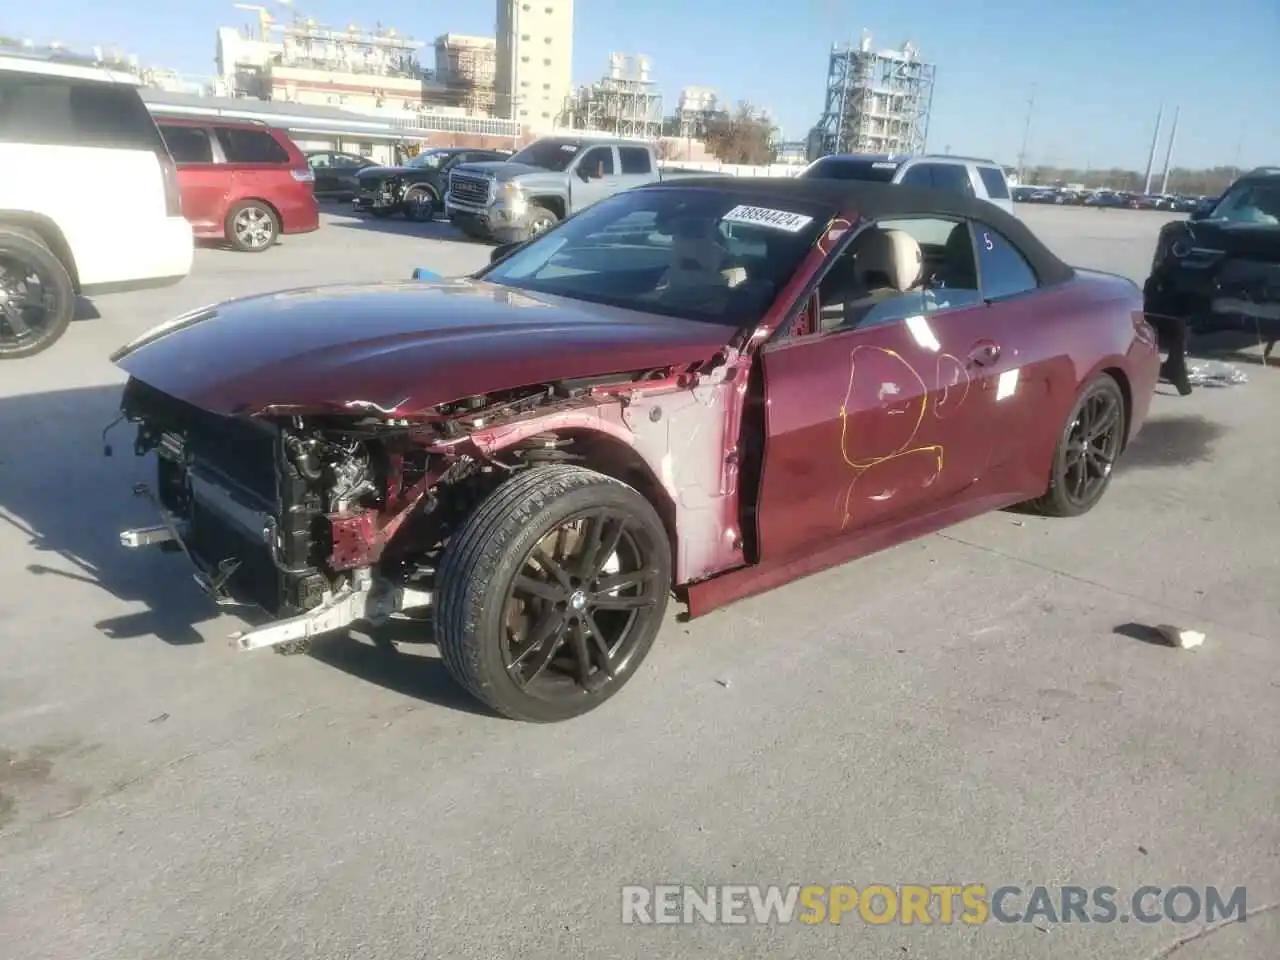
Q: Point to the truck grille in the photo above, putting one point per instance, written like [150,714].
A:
[469,189]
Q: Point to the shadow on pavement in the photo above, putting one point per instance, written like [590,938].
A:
[1142,633]
[398,226]
[1171,442]
[71,502]
[85,310]
[410,672]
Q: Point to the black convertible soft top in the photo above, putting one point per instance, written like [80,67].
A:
[885,201]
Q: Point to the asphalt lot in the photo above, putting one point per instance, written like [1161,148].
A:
[976,706]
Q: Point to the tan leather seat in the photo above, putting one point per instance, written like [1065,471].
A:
[887,264]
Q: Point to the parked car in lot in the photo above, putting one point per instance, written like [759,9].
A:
[547,181]
[336,173]
[244,183]
[712,387]
[1220,270]
[416,190]
[59,122]
[964,176]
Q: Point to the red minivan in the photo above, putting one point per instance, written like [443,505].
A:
[242,182]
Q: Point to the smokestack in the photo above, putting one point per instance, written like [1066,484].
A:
[1151,157]
[1168,156]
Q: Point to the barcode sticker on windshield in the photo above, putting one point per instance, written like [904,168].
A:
[765,217]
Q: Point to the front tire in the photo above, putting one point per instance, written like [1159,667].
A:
[551,593]
[33,316]
[419,205]
[252,227]
[1087,450]
[540,221]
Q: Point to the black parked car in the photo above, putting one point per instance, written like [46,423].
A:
[416,189]
[1220,269]
[336,173]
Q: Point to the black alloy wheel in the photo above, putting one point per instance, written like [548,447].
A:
[552,592]
[37,297]
[1087,451]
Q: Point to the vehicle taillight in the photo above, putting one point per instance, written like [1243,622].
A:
[172,194]
[303,174]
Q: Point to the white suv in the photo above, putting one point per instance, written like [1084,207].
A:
[88,196]
[968,176]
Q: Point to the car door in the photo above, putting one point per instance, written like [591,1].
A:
[323,167]
[203,181]
[1034,366]
[869,425]
[343,173]
[593,178]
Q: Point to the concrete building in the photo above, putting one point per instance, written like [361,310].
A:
[534,70]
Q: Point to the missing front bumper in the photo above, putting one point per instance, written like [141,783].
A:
[363,599]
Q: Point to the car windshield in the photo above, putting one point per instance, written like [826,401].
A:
[549,154]
[1250,203]
[430,161]
[711,255]
[852,168]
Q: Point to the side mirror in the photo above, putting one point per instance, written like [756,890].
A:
[1200,213]
[504,250]
[584,173]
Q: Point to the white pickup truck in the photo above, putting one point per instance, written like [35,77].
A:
[549,180]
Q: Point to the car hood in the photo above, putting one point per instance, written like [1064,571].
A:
[398,348]
[1253,240]
[501,170]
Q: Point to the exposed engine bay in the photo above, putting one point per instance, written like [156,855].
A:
[321,521]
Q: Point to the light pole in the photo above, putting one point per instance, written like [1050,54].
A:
[1026,135]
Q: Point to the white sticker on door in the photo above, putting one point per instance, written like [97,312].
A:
[1007,384]
[767,217]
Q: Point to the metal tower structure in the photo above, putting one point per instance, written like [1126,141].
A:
[877,101]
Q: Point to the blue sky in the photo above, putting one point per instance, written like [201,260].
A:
[1101,70]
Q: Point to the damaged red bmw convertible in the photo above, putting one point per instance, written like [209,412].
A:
[703,387]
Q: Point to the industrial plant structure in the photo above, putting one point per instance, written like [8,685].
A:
[696,110]
[877,101]
[305,62]
[467,67]
[625,102]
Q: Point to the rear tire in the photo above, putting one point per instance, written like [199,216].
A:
[551,593]
[1087,450]
[252,227]
[26,330]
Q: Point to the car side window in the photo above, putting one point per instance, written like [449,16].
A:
[1005,271]
[250,146]
[187,144]
[919,175]
[994,182]
[635,160]
[599,161]
[321,161]
[953,178]
[932,271]
[56,111]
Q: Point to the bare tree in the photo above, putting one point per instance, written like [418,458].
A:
[741,137]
